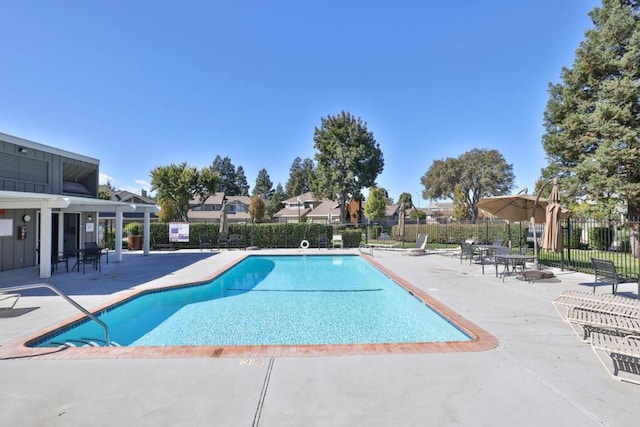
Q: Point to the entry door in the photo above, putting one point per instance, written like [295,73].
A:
[71,231]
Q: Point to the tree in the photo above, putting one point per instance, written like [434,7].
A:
[256,209]
[275,201]
[405,200]
[264,186]
[241,182]
[348,159]
[227,172]
[300,176]
[167,211]
[179,184]
[478,173]
[376,205]
[593,116]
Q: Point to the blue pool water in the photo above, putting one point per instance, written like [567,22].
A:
[274,300]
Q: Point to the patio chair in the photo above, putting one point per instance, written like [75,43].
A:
[323,241]
[336,240]
[223,242]
[59,258]
[466,252]
[420,248]
[620,356]
[598,306]
[234,241]
[205,242]
[497,242]
[92,257]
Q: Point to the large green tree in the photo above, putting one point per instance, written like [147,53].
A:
[241,182]
[348,159]
[478,173]
[264,185]
[376,204]
[300,175]
[177,185]
[592,119]
[227,172]
[275,202]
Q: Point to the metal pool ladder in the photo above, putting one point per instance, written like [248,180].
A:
[69,300]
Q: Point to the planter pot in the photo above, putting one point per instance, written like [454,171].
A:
[134,243]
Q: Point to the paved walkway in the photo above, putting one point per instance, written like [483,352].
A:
[540,373]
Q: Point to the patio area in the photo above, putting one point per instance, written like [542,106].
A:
[540,373]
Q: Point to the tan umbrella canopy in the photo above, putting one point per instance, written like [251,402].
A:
[224,223]
[552,237]
[515,207]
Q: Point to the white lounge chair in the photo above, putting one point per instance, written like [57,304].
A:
[620,356]
[584,322]
[597,302]
[420,248]
[336,240]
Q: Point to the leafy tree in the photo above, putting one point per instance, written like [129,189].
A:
[376,205]
[167,211]
[417,214]
[593,116]
[460,210]
[241,182]
[478,173]
[405,200]
[264,186]
[179,184]
[300,175]
[275,201]
[348,158]
[256,209]
[227,172]
[105,195]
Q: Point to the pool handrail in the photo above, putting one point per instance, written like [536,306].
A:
[69,300]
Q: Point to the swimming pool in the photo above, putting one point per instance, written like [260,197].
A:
[272,300]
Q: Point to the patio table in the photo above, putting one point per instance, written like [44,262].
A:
[512,260]
[485,251]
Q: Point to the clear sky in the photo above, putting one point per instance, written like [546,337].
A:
[146,83]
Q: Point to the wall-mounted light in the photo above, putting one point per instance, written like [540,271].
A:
[22,150]
[89,217]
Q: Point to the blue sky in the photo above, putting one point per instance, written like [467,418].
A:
[140,84]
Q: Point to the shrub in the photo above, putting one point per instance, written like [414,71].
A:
[134,228]
[600,238]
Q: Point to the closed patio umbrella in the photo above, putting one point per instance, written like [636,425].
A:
[224,223]
[552,237]
[401,222]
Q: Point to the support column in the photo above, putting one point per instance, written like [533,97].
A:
[45,241]
[147,232]
[118,236]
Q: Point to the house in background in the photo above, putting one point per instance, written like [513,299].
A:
[107,219]
[211,209]
[296,208]
[49,203]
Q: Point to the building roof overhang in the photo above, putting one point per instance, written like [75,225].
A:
[22,200]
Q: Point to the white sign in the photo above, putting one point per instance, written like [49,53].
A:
[6,227]
[178,231]
[89,227]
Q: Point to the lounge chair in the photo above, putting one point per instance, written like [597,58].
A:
[323,241]
[420,248]
[584,322]
[336,240]
[620,356]
[466,252]
[6,296]
[599,306]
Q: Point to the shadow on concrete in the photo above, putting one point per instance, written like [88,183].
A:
[133,270]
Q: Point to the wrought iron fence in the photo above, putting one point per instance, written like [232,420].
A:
[584,238]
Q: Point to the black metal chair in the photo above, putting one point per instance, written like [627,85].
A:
[59,258]
[91,256]
[323,241]
[205,242]
[223,242]
[234,241]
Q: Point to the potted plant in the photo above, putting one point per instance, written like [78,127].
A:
[134,236]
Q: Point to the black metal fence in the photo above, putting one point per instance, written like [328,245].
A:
[584,238]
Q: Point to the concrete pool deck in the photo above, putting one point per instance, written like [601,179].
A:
[539,373]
